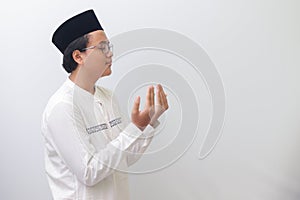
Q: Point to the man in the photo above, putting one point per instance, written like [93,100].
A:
[89,144]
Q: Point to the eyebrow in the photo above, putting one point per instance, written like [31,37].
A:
[104,41]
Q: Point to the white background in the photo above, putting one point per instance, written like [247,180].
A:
[255,46]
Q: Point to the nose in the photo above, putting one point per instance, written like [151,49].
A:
[110,54]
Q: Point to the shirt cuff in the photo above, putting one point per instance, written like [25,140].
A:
[132,131]
[150,130]
[156,124]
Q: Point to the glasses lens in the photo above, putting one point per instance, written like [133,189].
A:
[110,47]
[105,46]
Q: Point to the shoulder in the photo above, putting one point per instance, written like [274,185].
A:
[60,100]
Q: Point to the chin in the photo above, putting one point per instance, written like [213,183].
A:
[107,72]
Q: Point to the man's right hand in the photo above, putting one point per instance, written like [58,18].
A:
[150,113]
[142,118]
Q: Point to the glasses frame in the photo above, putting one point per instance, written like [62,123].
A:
[99,46]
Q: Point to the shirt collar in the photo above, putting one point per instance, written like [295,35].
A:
[69,83]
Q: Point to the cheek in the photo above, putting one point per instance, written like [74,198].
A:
[96,64]
[95,59]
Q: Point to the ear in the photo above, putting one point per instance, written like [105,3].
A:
[77,56]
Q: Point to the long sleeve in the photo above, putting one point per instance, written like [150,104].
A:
[136,150]
[67,130]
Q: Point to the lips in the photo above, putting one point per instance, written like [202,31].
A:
[109,63]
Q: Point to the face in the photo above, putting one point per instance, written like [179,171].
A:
[95,60]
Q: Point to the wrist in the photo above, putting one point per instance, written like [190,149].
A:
[140,127]
[155,123]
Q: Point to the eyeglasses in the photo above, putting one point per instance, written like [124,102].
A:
[104,46]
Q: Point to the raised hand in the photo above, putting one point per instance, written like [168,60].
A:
[142,118]
[161,104]
[152,110]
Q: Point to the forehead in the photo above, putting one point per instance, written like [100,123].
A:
[96,37]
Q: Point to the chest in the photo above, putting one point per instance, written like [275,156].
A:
[102,121]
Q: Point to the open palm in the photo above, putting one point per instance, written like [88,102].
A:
[150,113]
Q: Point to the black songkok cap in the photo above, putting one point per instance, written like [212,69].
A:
[74,28]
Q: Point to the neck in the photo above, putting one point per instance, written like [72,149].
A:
[83,80]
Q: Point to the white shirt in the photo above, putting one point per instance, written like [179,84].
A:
[88,143]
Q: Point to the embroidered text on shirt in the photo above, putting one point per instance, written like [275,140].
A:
[114,122]
[96,128]
[104,126]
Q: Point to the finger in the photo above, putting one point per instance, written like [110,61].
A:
[158,95]
[166,103]
[152,96]
[148,98]
[161,91]
[164,99]
[136,105]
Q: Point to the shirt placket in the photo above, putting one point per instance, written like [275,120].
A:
[105,116]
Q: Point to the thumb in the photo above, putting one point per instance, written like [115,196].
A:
[136,105]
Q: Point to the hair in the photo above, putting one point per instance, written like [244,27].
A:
[69,64]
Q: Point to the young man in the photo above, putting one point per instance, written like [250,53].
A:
[88,143]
